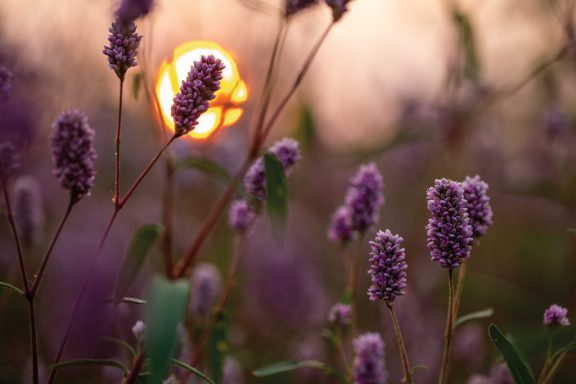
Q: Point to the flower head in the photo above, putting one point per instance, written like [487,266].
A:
[292,7]
[205,287]
[449,229]
[196,91]
[364,197]
[387,267]
[73,154]
[287,151]
[241,215]
[555,316]
[340,314]
[369,359]
[478,205]
[339,8]
[5,83]
[28,213]
[130,10]
[340,228]
[138,330]
[124,42]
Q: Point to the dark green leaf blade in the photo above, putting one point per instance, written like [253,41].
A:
[121,343]
[187,367]
[276,190]
[566,348]
[139,247]
[291,365]
[91,362]
[483,314]
[207,166]
[12,287]
[518,367]
[167,302]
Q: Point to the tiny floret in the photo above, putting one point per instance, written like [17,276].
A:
[555,316]
[387,267]
[364,197]
[340,228]
[369,359]
[449,229]
[478,204]
[73,154]
[205,286]
[200,86]
[241,216]
[340,314]
[121,52]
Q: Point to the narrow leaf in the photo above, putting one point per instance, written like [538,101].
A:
[483,314]
[121,343]
[291,365]
[139,247]
[167,302]
[207,166]
[566,348]
[218,348]
[181,364]
[468,43]
[276,190]
[91,362]
[518,367]
[12,287]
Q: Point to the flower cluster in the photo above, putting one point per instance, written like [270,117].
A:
[292,7]
[340,314]
[555,316]
[369,359]
[130,10]
[241,215]
[479,209]
[205,286]
[121,52]
[387,267]
[5,83]
[340,228]
[339,8]
[449,229]
[196,91]
[73,154]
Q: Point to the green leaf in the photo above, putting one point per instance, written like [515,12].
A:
[483,314]
[192,369]
[468,43]
[291,365]
[141,243]
[218,348]
[206,165]
[167,303]
[565,348]
[12,287]
[276,190]
[91,362]
[121,343]
[306,131]
[518,367]
[136,85]
[420,366]
[329,335]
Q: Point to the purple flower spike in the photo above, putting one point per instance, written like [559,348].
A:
[387,267]
[292,7]
[195,93]
[364,197]
[72,143]
[369,359]
[556,316]
[288,153]
[479,209]
[9,160]
[124,42]
[340,314]
[5,83]
[449,229]
[130,10]
[340,228]
[205,287]
[241,216]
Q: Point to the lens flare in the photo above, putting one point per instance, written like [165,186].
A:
[225,110]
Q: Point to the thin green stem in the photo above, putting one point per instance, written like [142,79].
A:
[443,379]
[116,198]
[547,361]
[401,346]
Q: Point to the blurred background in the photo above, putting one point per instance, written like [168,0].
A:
[424,89]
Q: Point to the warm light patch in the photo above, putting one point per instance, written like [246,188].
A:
[224,110]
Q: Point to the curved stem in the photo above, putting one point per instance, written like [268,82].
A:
[401,346]
[554,369]
[448,331]
[297,82]
[38,278]
[117,152]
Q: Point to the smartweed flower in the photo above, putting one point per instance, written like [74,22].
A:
[124,42]
[5,83]
[195,93]
[449,229]
[340,228]
[478,205]
[130,10]
[555,316]
[387,267]
[340,314]
[72,143]
[364,197]
[292,7]
[241,216]
[339,8]
[28,213]
[205,286]
[369,359]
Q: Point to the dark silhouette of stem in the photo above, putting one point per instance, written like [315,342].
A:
[443,379]
[117,152]
[136,368]
[33,340]
[401,346]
